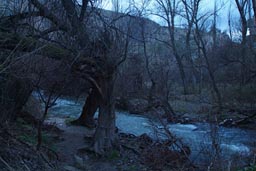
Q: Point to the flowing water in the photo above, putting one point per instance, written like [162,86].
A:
[233,141]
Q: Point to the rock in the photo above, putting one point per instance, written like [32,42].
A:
[79,162]
[121,103]
[33,107]
[86,157]
[160,126]
[187,120]
[146,139]
[137,106]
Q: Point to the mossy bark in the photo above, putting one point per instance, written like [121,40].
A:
[28,44]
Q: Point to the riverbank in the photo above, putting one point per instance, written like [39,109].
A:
[134,152]
[186,109]
[67,147]
[187,112]
[234,143]
[64,148]
[143,143]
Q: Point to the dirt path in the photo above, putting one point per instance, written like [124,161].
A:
[73,139]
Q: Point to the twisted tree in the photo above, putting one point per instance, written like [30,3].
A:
[94,48]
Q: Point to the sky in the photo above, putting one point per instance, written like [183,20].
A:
[206,6]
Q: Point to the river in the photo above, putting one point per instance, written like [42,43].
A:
[234,142]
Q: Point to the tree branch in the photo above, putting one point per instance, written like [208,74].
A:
[83,10]
[45,12]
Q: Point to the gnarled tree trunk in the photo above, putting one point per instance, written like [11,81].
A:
[105,137]
[91,105]
[14,94]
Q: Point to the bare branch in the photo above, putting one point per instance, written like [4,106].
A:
[83,10]
[45,12]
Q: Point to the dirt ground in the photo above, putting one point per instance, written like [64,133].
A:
[134,153]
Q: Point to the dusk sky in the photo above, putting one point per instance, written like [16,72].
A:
[206,6]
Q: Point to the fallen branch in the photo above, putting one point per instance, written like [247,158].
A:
[241,121]
[6,164]
[231,122]
[45,159]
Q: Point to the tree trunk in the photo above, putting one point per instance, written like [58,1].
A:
[40,124]
[91,105]
[242,11]
[212,77]
[188,56]
[169,112]
[105,137]
[151,95]
[254,9]
[39,135]
[14,94]
[178,57]
[182,74]
[201,47]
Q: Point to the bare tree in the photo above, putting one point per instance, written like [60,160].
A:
[155,99]
[200,22]
[170,10]
[105,136]
[94,51]
[230,23]
[48,102]
[191,8]
[254,9]
[242,6]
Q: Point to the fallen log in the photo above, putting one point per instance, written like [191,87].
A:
[231,122]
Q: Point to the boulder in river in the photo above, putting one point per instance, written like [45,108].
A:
[137,106]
